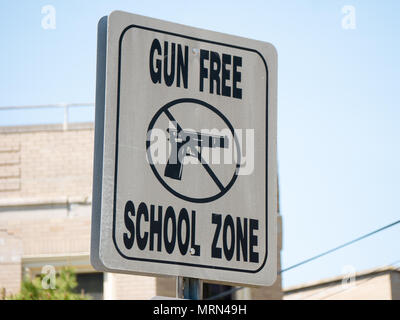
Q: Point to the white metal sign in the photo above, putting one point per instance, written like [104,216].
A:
[185,153]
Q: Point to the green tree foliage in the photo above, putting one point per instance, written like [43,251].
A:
[65,283]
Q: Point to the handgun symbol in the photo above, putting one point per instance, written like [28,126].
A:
[189,143]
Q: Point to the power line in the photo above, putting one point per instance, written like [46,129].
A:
[233,290]
[340,247]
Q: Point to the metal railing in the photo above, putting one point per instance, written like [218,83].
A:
[65,106]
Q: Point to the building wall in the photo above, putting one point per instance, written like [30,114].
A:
[44,162]
[45,209]
[368,287]
[133,287]
[395,283]
[10,261]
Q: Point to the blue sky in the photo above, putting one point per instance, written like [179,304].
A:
[338,106]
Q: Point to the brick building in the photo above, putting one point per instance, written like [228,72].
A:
[377,284]
[45,213]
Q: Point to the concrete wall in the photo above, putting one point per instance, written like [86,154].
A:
[45,162]
[374,286]
[10,261]
[42,170]
[395,283]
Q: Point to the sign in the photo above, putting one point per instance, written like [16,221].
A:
[185,153]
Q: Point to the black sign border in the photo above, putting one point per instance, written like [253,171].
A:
[116,153]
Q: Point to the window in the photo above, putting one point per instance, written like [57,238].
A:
[90,284]
[210,290]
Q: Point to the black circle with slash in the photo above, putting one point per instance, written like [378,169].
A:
[174,170]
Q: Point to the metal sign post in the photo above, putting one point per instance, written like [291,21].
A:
[189,288]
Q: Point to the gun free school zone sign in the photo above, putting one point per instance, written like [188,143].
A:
[185,179]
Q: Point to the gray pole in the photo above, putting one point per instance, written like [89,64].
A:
[189,288]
